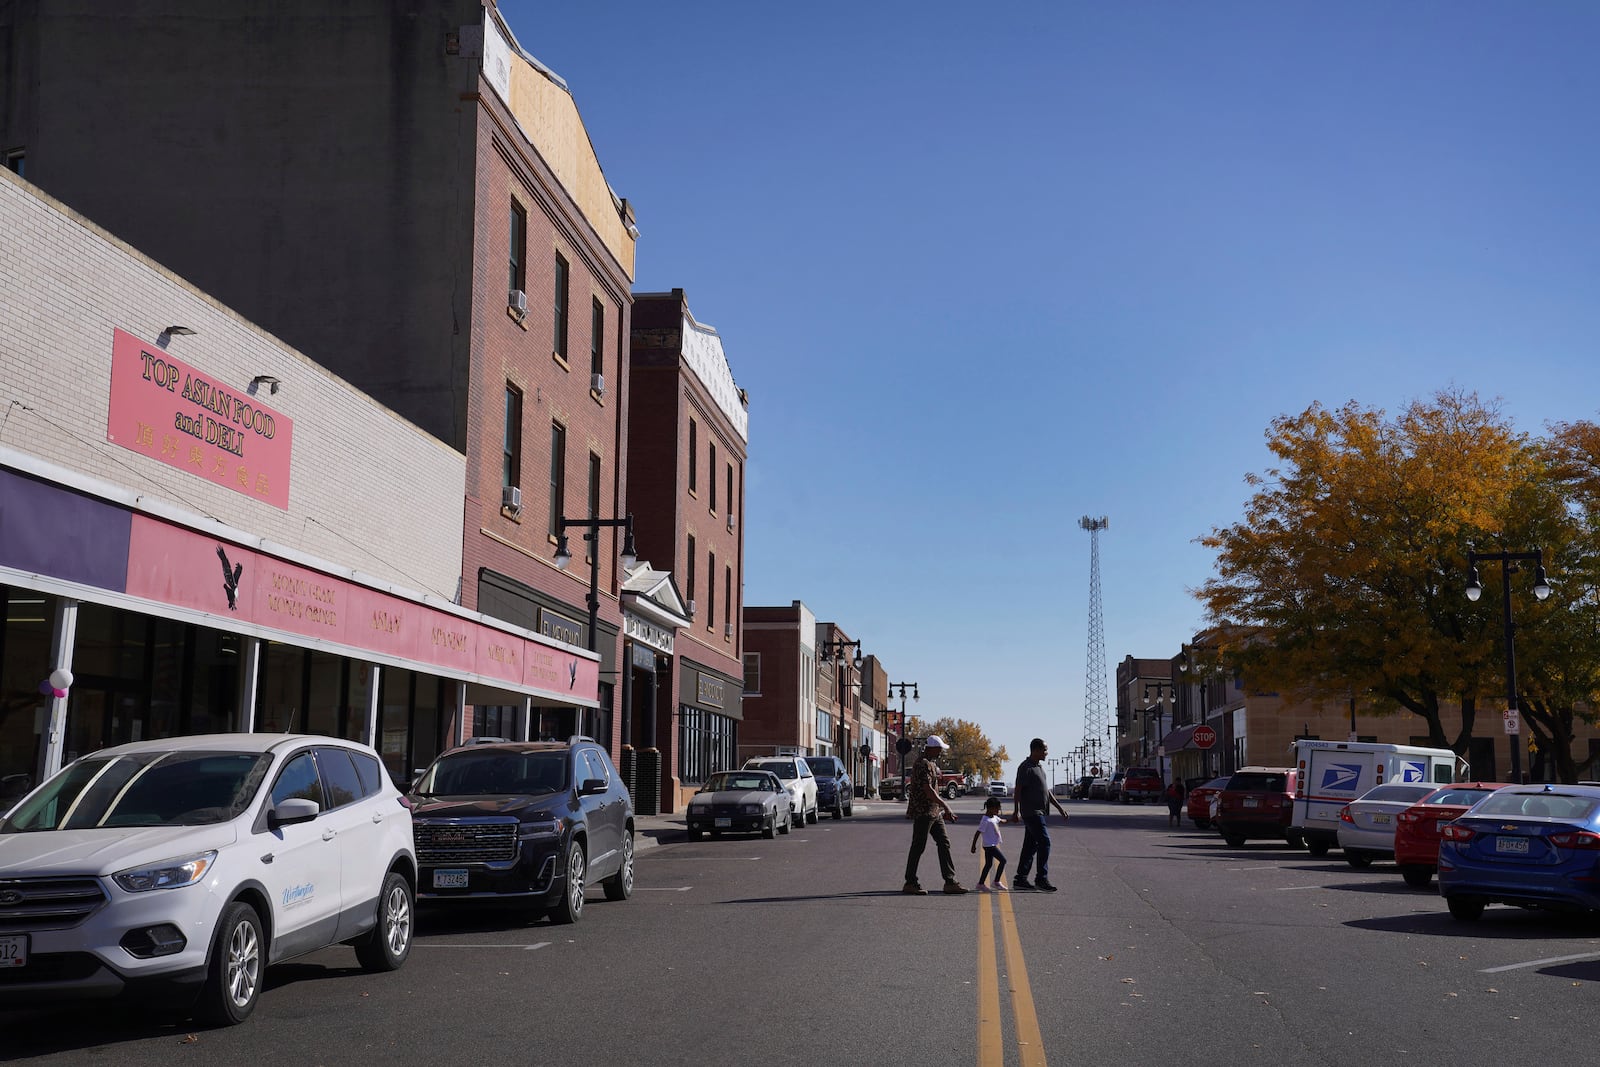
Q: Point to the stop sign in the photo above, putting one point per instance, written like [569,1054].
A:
[1204,736]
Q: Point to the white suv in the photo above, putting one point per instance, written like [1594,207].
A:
[190,864]
[797,778]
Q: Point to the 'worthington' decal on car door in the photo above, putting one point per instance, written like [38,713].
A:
[295,895]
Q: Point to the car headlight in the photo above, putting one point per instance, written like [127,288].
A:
[750,809]
[168,874]
[700,805]
[542,828]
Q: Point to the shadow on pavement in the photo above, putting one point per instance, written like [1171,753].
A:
[1497,924]
[864,894]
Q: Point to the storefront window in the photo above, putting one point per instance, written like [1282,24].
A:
[325,704]
[706,743]
[214,686]
[280,696]
[24,663]
[394,722]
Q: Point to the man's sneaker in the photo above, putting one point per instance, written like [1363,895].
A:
[954,888]
[1044,885]
[1021,882]
[912,889]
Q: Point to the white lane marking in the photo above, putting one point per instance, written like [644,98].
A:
[1540,963]
[1250,868]
[661,889]
[525,948]
[1286,888]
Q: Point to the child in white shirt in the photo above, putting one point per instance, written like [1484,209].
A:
[989,832]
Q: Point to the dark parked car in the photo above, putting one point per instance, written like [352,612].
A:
[747,802]
[835,791]
[1080,791]
[1257,802]
[532,822]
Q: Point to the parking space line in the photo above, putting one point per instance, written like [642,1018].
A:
[661,888]
[525,948]
[1540,963]
[991,1052]
[1030,1042]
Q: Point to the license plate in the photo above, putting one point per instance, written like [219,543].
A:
[14,951]
[1251,802]
[449,879]
[1380,820]
[1511,844]
[724,822]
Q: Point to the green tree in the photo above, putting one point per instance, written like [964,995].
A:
[1346,574]
[969,752]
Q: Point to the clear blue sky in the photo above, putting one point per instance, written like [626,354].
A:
[985,269]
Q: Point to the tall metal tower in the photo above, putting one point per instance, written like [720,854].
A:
[1095,703]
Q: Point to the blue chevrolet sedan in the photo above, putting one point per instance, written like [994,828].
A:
[1535,846]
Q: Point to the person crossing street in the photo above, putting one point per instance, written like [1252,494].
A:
[928,813]
[1032,798]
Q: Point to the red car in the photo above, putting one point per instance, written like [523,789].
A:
[1258,802]
[1417,829]
[1200,802]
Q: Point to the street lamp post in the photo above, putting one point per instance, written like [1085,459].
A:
[1164,692]
[834,648]
[903,744]
[1541,590]
[591,533]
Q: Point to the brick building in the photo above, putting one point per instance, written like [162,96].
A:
[689,434]
[409,198]
[212,532]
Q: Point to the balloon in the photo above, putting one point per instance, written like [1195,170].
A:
[58,693]
[46,689]
[61,678]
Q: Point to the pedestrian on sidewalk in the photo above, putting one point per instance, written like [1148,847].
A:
[928,813]
[1030,803]
[989,831]
[1175,795]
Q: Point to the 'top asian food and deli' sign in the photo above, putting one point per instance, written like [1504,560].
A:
[167,410]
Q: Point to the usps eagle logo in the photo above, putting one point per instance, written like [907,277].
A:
[1342,776]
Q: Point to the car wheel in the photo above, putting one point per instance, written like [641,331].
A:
[838,812]
[811,817]
[1357,859]
[1234,840]
[569,909]
[233,977]
[1417,877]
[1202,824]
[849,810]
[389,943]
[620,885]
[770,830]
[1465,909]
[1295,840]
[694,835]
[787,824]
[1318,848]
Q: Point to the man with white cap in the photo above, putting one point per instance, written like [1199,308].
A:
[928,813]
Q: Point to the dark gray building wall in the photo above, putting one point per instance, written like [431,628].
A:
[308,163]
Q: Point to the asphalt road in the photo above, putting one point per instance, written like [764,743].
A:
[1161,947]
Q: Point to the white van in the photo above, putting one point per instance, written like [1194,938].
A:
[1333,773]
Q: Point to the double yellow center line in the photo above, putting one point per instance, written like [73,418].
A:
[1030,1043]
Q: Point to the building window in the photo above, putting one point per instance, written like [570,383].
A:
[597,338]
[511,461]
[707,743]
[594,497]
[689,574]
[694,456]
[730,496]
[727,595]
[711,474]
[14,162]
[711,590]
[559,341]
[519,248]
[752,674]
[558,476]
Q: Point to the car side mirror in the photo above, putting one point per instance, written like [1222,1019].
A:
[293,810]
[591,786]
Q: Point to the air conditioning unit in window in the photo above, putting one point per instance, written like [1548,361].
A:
[511,499]
[730,522]
[727,629]
[518,300]
[691,609]
[597,384]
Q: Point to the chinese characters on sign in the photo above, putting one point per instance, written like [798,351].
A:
[163,408]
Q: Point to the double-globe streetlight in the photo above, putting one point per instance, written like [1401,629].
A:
[591,533]
[1164,692]
[1541,590]
[903,744]
[834,648]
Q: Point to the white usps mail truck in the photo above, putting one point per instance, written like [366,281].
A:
[1333,773]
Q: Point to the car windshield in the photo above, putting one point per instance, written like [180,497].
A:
[1143,772]
[1553,805]
[731,781]
[1257,783]
[187,788]
[823,769]
[1216,783]
[1408,794]
[783,769]
[486,772]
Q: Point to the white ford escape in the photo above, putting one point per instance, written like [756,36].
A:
[186,866]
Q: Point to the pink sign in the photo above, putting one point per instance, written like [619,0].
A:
[178,566]
[165,409]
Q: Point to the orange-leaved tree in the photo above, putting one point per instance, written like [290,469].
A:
[970,751]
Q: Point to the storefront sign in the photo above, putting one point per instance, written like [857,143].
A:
[165,409]
[177,566]
[647,633]
[561,628]
[709,691]
[644,657]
